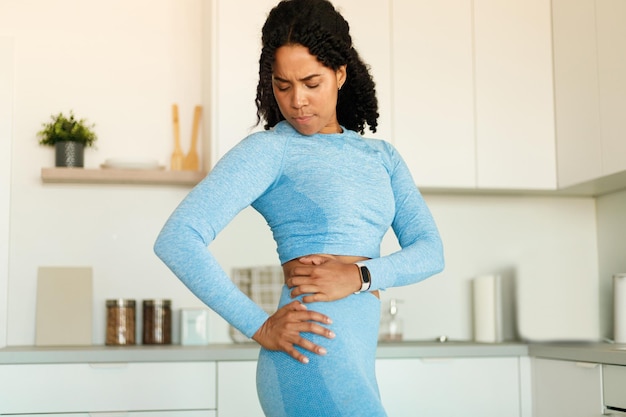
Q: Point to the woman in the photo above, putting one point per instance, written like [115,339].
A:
[329,196]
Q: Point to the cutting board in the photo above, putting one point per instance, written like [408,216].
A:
[64,306]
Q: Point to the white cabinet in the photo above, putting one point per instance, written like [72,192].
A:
[590,81]
[515,136]
[472,85]
[486,387]
[433,91]
[409,387]
[204,413]
[564,388]
[611,28]
[107,387]
[576,91]
[236,394]
[476,94]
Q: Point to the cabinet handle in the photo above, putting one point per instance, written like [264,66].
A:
[437,360]
[109,365]
[586,365]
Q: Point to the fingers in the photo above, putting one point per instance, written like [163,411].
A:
[315,259]
[285,328]
[308,345]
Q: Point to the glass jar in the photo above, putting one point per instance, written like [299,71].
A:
[120,322]
[157,322]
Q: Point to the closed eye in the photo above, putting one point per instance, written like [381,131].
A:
[312,81]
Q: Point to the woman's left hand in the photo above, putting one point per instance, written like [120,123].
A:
[323,278]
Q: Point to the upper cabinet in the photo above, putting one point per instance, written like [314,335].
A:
[576,91]
[611,29]
[514,95]
[590,79]
[472,91]
[432,75]
[475,94]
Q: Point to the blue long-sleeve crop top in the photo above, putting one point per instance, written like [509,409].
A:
[320,194]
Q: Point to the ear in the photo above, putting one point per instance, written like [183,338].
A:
[341,75]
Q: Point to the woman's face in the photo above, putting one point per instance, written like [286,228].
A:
[306,90]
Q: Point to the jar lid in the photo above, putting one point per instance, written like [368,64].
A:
[120,302]
[157,303]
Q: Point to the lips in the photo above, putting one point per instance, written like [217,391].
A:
[303,119]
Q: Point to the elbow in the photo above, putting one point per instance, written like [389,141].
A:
[441,264]
[162,246]
[157,248]
[438,258]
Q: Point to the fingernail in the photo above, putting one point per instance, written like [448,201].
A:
[305,360]
[329,321]
[331,334]
[322,351]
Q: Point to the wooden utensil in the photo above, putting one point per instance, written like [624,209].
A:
[191,162]
[177,155]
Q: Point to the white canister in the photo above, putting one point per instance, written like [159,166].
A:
[194,327]
[619,307]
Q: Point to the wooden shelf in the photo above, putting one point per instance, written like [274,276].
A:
[120,176]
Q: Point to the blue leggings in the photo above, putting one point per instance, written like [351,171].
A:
[341,383]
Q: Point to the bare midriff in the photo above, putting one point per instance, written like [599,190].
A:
[289,265]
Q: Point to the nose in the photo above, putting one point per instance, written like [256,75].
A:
[298,98]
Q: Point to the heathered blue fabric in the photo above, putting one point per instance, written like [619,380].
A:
[341,383]
[326,193]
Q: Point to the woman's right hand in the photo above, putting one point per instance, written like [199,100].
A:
[282,330]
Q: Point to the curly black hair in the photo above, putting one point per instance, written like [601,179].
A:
[316,25]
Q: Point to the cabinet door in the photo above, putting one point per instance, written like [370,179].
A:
[486,387]
[196,413]
[611,27]
[81,387]
[515,136]
[433,93]
[564,388]
[576,91]
[236,394]
[235,70]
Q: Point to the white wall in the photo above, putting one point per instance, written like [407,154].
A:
[549,244]
[6,119]
[612,252]
[122,64]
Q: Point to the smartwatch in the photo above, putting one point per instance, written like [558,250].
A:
[366,278]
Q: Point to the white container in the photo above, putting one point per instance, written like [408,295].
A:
[494,308]
[194,327]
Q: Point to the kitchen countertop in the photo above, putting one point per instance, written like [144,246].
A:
[238,352]
[605,353]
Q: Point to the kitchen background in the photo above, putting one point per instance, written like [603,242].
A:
[122,64]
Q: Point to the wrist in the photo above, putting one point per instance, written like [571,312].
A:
[365,277]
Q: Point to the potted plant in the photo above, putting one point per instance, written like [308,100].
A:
[70,137]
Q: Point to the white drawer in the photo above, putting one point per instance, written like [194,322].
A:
[63,388]
[614,383]
[196,413]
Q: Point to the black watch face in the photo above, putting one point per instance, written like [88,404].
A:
[365,273]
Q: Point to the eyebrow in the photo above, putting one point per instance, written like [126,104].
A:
[307,78]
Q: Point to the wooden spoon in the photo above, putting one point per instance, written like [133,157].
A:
[177,155]
[191,162]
